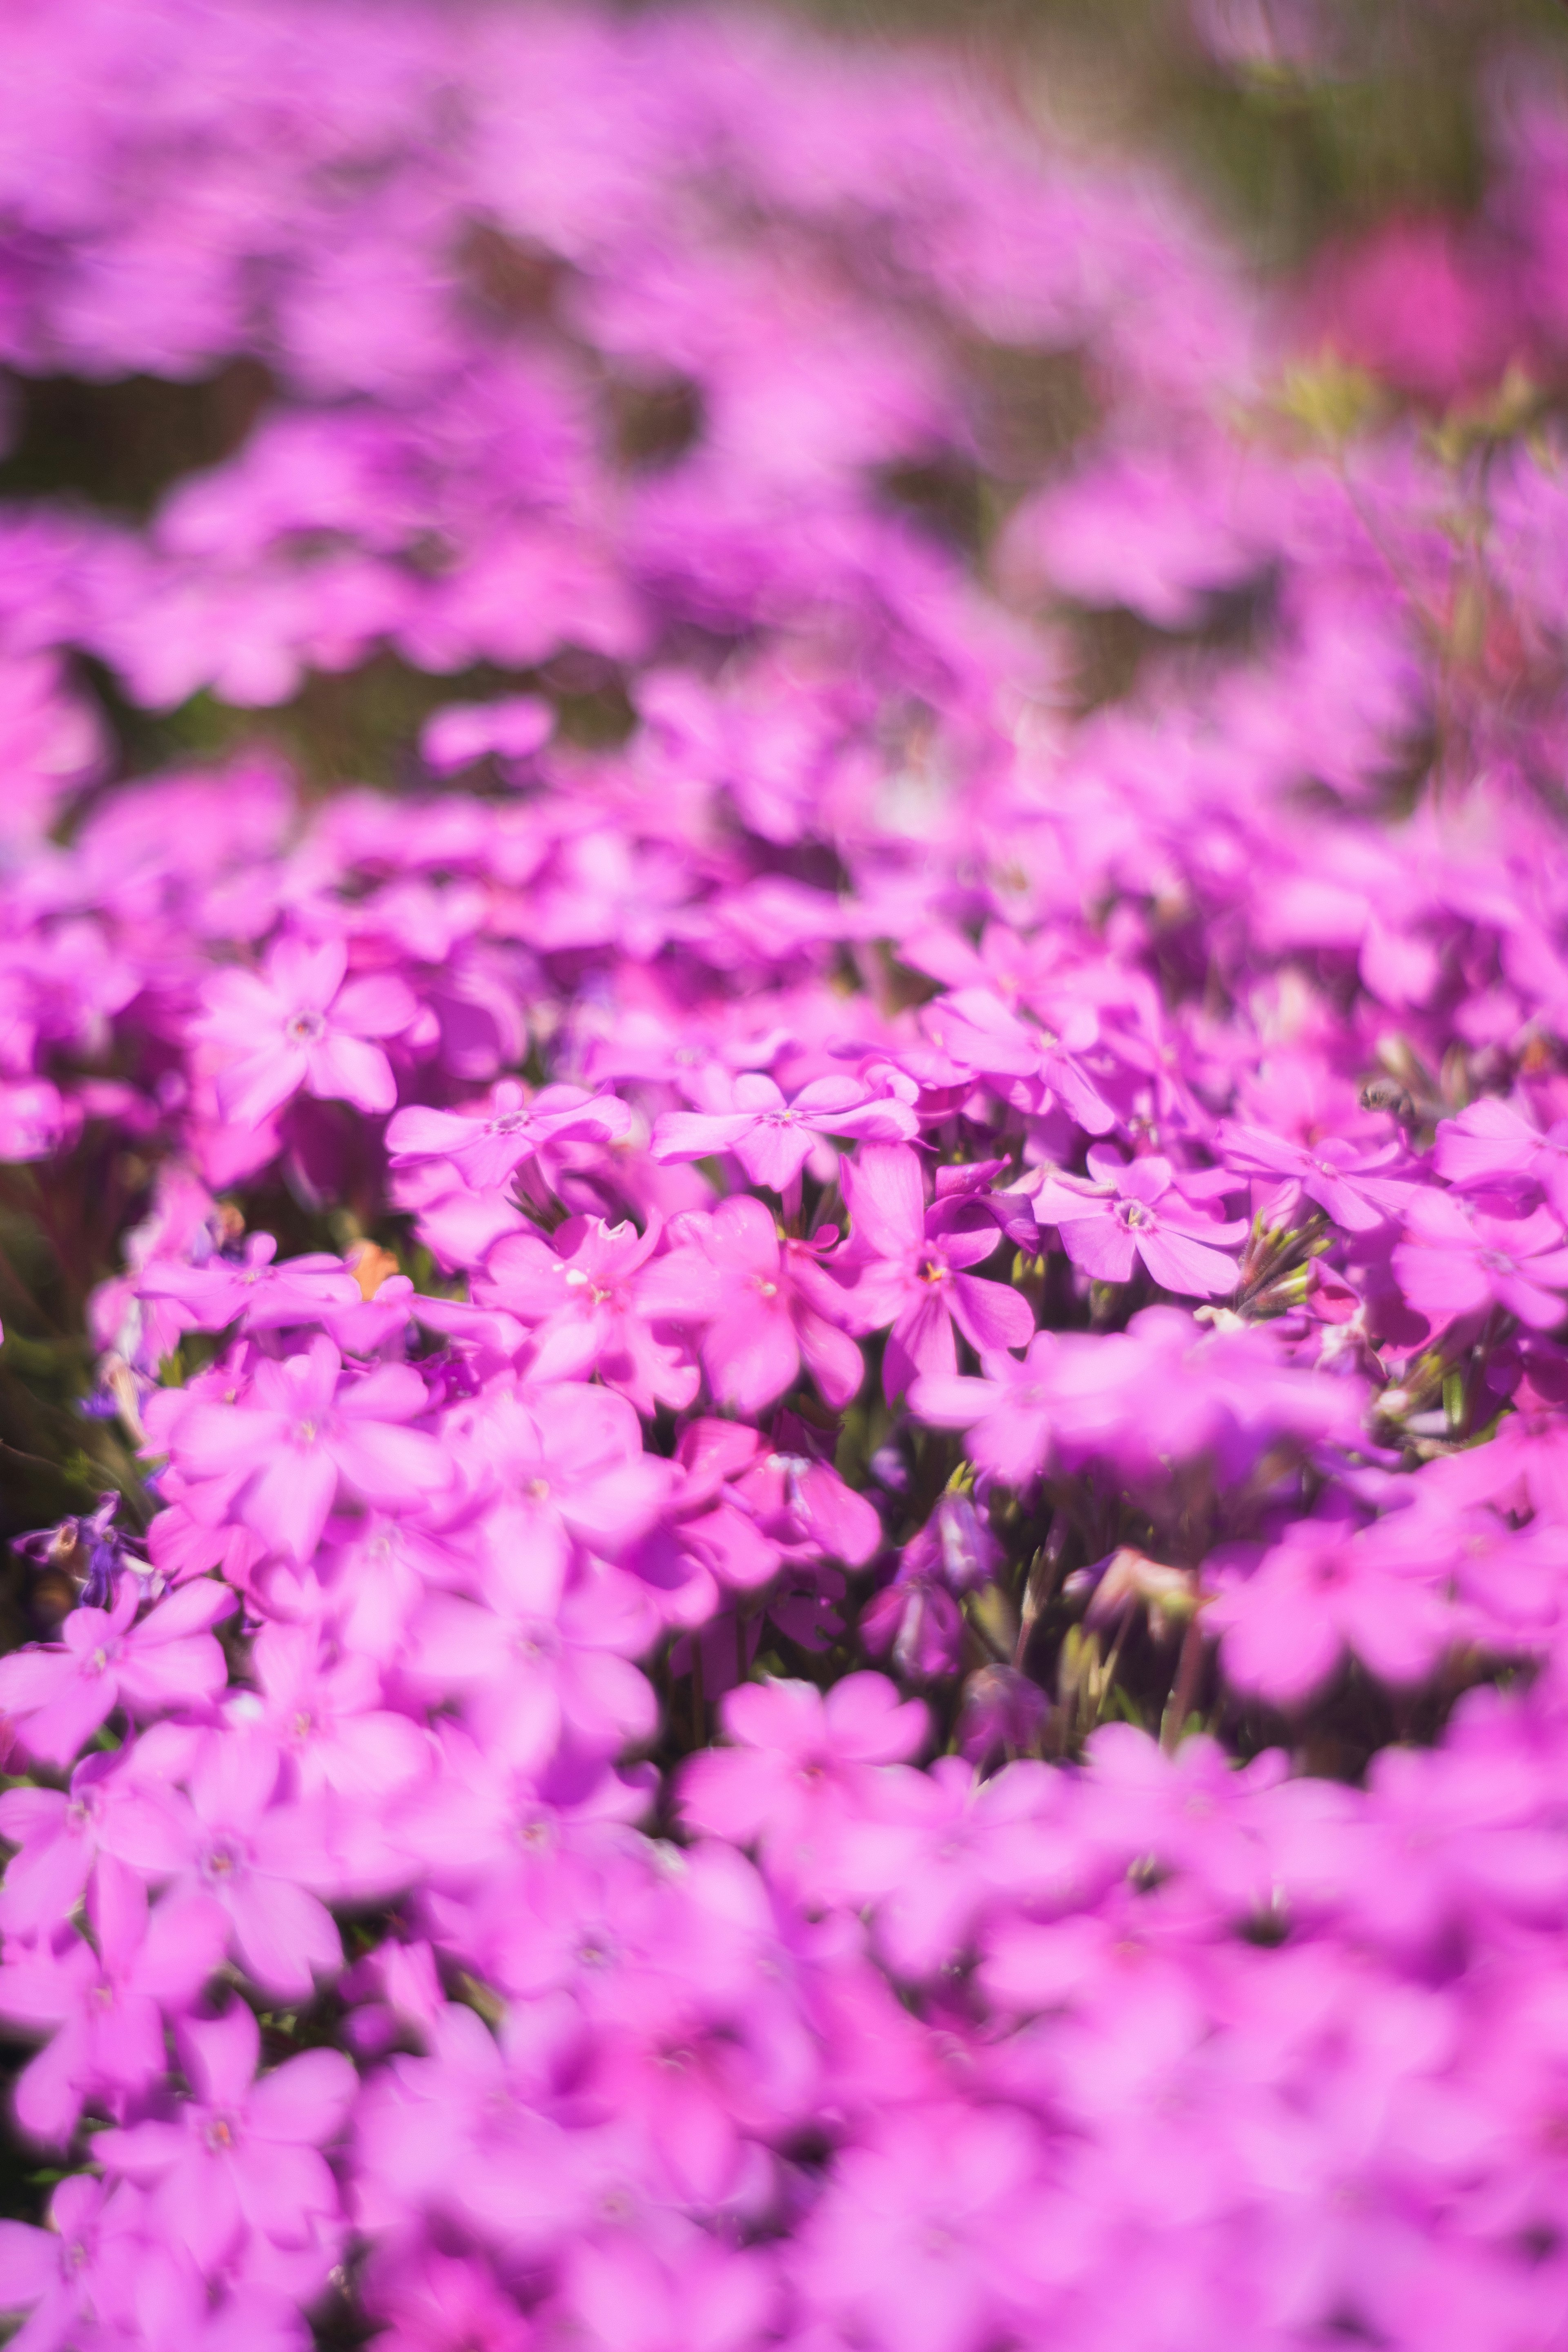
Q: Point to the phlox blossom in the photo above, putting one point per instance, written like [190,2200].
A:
[301,1022]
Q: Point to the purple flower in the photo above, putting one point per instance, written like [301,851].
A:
[89,1549]
[910,1265]
[485,1147]
[241,2155]
[58,1697]
[1123,1212]
[1286,1627]
[1359,1189]
[1494,1142]
[594,1304]
[303,1428]
[106,2000]
[299,1023]
[226,1841]
[768,1302]
[772,1137]
[1457,1260]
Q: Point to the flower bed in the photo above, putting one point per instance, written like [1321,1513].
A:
[785,1064]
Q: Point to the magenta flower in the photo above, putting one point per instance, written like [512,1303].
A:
[911,1268]
[1457,1260]
[933,2236]
[1493,1141]
[58,1837]
[1036,1064]
[105,2001]
[81,2265]
[1123,1212]
[1359,1189]
[485,1147]
[299,1023]
[58,1697]
[242,2156]
[324,1715]
[1322,1591]
[797,1758]
[228,1840]
[266,1297]
[36,1119]
[1009,1413]
[768,1302]
[591,1307]
[305,1428]
[772,1139]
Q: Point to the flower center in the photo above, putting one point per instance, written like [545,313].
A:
[305,1027]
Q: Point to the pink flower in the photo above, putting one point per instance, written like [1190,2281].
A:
[1492,1141]
[798,1759]
[1009,1414]
[772,1139]
[485,1147]
[511,727]
[1032,1065]
[591,1308]
[935,2235]
[1457,1260]
[299,1023]
[70,2272]
[1123,1212]
[228,1840]
[107,2004]
[768,1302]
[1324,1590]
[36,1119]
[303,1428]
[268,1298]
[910,1265]
[433,2302]
[242,2156]
[1359,1189]
[325,1716]
[56,1696]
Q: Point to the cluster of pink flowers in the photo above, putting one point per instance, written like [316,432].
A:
[857,1638]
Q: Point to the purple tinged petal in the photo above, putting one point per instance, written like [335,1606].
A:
[885,1193]
[29,2265]
[306,2100]
[351,1069]
[1187,1266]
[290,1500]
[1103,1248]
[220,2054]
[284,1936]
[696,1135]
[377,1005]
[990,1315]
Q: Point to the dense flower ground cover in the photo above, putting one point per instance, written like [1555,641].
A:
[827,1341]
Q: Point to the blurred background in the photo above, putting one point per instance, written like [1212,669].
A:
[1297,120]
